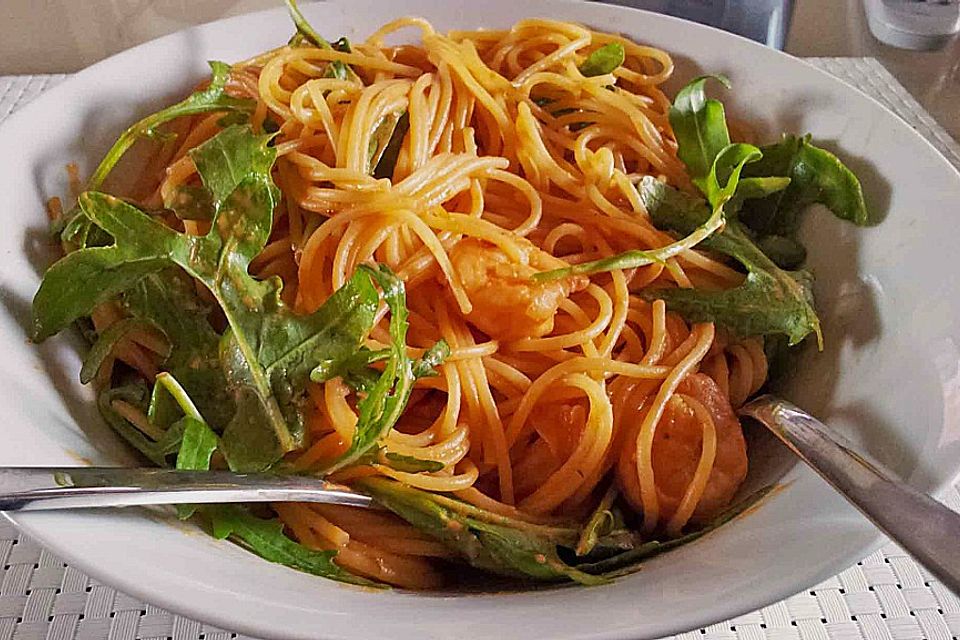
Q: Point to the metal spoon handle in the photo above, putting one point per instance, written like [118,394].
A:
[42,488]
[924,527]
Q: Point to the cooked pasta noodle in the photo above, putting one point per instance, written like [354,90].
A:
[491,187]
[557,394]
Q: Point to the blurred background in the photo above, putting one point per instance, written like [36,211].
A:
[56,36]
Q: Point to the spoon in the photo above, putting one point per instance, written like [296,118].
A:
[926,528]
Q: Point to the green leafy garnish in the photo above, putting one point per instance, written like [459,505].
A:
[306,32]
[355,369]
[197,445]
[304,28]
[213,98]
[603,60]
[107,341]
[726,167]
[179,395]
[816,176]
[266,539]
[774,186]
[338,68]
[189,202]
[380,138]
[384,401]
[426,365]
[197,442]
[602,522]
[769,301]
[489,544]
[267,352]
[626,562]
[787,253]
[135,395]
[410,464]
[777,183]
[384,160]
[275,376]
[168,300]
[756,187]
[231,157]
[700,127]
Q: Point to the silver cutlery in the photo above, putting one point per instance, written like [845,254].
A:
[926,528]
[42,488]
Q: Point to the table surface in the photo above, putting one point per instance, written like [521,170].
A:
[56,36]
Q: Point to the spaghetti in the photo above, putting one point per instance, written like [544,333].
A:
[490,187]
[468,164]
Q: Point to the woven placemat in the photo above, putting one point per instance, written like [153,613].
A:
[886,596]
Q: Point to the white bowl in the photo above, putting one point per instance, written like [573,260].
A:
[889,299]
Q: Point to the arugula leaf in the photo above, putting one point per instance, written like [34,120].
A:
[603,60]
[602,522]
[108,271]
[355,369]
[485,544]
[700,127]
[304,28]
[144,246]
[136,394]
[305,31]
[756,187]
[213,98]
[163,409]
[179,395]
[190,202]
[384,159]
[169,301]
[267,352]
[197,441]
[816,176]
[230,157]
[626,562]
[196,448]
[269,367]
[513,551]
[266,539]
[720,184]
[426,365]
[339,69]
[785,252]
[291,346]
[411,464]
[357,373]
[77,231]
[379,139]
[105,344]
[769,301]
[219,260]
[383,403]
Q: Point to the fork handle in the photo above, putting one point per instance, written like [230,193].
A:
[43,488]
[926,528]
